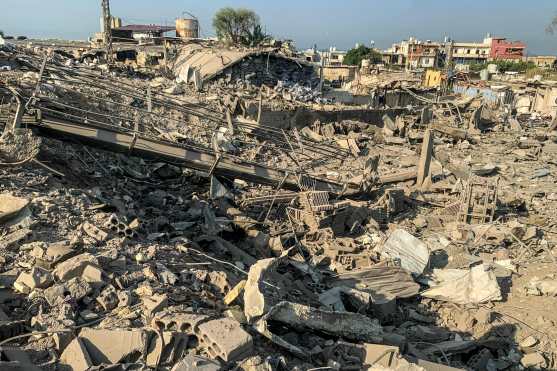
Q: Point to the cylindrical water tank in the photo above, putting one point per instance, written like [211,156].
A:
[187,28]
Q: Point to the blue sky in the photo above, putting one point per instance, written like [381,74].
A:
[326,23]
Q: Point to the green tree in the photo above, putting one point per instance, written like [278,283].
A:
[1,33]
[238,26]
[256,36]
[512,66]
[355,56]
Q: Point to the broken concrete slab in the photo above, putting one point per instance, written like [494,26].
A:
[465,286]
[115,346]
[53,254]
[84,265]
[77,288]
[108,298]
[410,252]
[380,355]
[344,324]
[541,286]
[166,348]
[534,360]
[76,356]
[197,363]
[153,304]
[382,282]
[256,302]
[15,239]
[11,206]
[37,278]
[94,232]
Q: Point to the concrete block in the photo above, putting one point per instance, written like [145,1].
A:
[74,267]
[225,338]
[37,278]
[154,304]
[167,349]
[77,287]
[179,322]
[94,232]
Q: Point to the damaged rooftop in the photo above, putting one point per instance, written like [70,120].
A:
[175,202]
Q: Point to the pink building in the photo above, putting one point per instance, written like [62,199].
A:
[503,49]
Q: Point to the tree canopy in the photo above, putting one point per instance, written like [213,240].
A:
[504,66]
[239,26]
[355,56]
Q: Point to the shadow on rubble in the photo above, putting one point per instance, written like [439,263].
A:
[472,339]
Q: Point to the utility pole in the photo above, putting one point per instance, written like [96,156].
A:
[107,22]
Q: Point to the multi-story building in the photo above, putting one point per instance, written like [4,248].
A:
[423,54]
[492,48]
[413,53]
[333,57]
[543,61]
[501,49]
[469,53]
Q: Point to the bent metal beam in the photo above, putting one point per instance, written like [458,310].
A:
[135,144]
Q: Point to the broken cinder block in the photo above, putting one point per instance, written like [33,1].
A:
[94,232]
[225,338]
[83,265]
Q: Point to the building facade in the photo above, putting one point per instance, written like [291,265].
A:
[333,57]
[469,53]
[544,61]
[501,49]
[413,53]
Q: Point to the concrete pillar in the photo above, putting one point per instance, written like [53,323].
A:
[424,173]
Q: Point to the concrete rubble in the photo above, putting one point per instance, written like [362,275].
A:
[232,216]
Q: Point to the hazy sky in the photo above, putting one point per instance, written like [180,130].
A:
[339,23]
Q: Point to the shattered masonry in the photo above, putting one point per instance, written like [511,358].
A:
[223,212]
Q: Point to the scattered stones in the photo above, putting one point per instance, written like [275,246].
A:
[320,236]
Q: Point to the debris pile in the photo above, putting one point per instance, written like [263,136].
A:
[163,233]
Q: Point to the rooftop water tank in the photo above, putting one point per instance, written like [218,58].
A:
[187,28]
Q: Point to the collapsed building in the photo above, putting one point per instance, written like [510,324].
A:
[178,223]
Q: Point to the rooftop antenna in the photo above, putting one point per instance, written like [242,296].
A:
[107,30]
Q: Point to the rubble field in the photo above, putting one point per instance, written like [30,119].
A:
[150,222]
